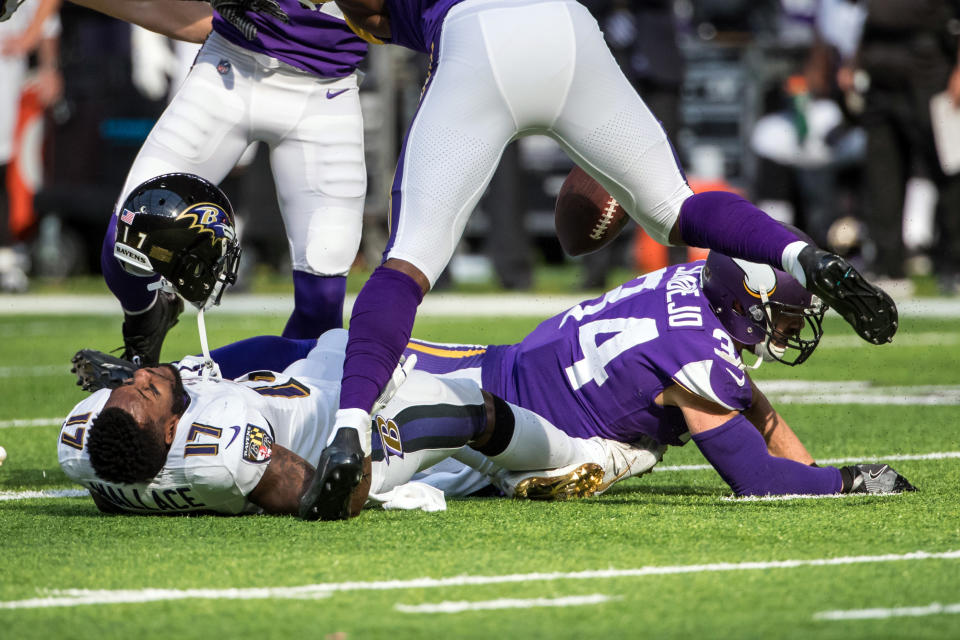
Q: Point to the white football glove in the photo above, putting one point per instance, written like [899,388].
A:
[404,367]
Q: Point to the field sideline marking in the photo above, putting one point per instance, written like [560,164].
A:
[436,304]
[943,455]
[75,597]
[807,496]
[33,371]
[49,493]
[503,603]
[782,391]
[932,609]
[32,422]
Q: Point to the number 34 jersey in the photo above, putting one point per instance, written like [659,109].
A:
[596,369]
[222,444]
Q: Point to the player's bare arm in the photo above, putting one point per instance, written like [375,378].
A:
[781,439]
[286,478]
[185,20]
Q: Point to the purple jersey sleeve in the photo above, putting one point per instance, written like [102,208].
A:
[597,369]
[316,41]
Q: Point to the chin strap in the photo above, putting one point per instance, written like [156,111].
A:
[209,368]
[162,285]
[766,350]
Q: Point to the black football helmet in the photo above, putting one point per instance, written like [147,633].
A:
[181,227]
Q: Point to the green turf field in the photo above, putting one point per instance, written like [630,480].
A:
[669,555]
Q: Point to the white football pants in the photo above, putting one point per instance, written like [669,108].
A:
[509,69]
[233,97]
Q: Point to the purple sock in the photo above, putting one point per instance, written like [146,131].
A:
[269,353]
[739,454]
[727,223]
[129,289]
[379,331]
[317,305]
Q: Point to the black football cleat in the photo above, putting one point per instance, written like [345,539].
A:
[867,308]
[339,471]
[143,333]
[873,478]
[97,370]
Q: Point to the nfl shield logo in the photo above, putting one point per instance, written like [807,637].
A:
[223,67]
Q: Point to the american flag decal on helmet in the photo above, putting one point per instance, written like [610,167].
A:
[127,216]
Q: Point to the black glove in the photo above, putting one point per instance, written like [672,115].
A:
[233,11]
[873,478]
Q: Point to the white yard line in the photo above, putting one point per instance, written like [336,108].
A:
[435,304]
[32,422]
[34,371]
[932,609]
[830,392]
[918,339]
[504,603]
[942,455]
[76,597]
[50,493]
[807,496]
[783,391]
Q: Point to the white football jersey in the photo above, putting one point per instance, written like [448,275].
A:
[222,442]
[224,439]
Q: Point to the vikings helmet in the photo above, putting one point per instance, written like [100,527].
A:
[761,306]
[181,227]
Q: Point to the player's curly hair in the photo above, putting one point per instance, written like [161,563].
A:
[120,451]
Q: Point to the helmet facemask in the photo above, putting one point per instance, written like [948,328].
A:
[763,308]
[790,332]
[202,283]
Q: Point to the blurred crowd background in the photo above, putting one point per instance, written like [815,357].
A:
[820,111]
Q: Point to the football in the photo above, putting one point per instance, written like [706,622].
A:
[586,216]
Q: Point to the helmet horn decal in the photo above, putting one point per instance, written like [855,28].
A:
[207,217]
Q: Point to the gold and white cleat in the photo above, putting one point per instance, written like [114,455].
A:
[565,483]
[621,460]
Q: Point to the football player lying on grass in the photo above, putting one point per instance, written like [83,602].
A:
[175,439]
[657,361]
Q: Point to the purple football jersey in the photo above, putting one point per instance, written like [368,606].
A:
[596,369]
[415,24]
[314,41]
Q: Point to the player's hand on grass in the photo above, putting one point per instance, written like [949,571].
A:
[873,478]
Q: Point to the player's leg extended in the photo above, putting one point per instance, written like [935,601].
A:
[447,159]
[200,132]
[608,130]
[432,418]
[318,168]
